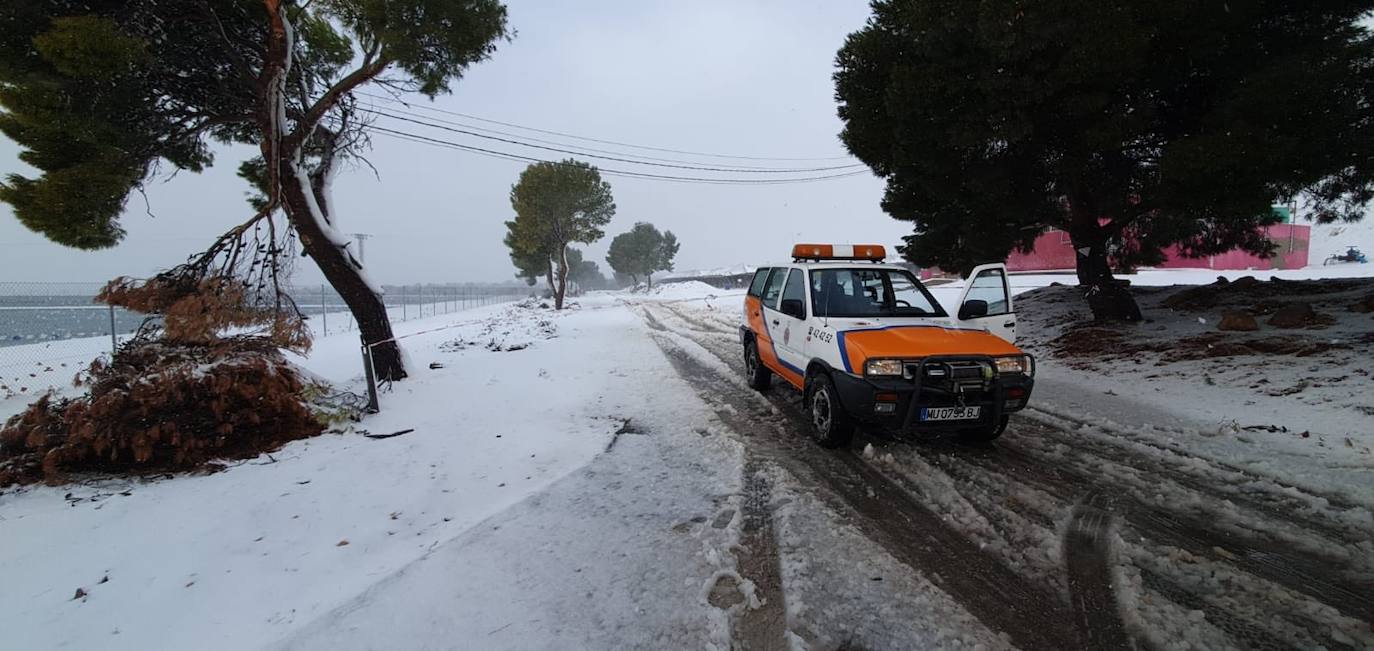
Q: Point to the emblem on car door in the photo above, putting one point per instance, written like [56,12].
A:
[786,335]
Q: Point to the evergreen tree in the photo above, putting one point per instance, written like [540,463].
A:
[641,251]
[532,261]
[1132,126]
[99,93]
[584,274]
[557,204]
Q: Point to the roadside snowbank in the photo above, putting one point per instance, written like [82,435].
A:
[1288,402]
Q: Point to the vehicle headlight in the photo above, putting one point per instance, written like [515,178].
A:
[883,367]
[1016,364]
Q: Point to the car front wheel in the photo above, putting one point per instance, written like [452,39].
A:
[830,425]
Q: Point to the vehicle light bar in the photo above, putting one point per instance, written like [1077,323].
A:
[874,252]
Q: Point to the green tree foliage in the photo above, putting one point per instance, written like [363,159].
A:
[100,93]
[1132,126]
[584,274]
[532,261]
[556,204]
[641,251]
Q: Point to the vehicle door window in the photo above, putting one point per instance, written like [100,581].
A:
[773,289]
[795,290]
[760,279]
[907,296]
[990,285]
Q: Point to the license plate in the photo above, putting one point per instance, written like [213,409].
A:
[950,413]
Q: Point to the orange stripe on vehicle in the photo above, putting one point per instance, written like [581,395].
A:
[753,308]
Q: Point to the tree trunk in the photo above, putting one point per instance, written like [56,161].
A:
[1109,298]
[344,275]
[648,282]
[562,288]
[553,287]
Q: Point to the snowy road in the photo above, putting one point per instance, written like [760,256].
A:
[1065,533]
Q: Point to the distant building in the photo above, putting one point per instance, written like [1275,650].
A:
[1054,252]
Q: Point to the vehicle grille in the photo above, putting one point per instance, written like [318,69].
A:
[950,371]
[953,376]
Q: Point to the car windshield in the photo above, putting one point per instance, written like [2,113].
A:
[870,292]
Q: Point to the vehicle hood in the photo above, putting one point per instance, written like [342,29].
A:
[862,343]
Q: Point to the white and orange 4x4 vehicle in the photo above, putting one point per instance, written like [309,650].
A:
[867,343]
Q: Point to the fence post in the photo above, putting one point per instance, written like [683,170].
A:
[114,340]
[371,375]
[403,302]
[324,314]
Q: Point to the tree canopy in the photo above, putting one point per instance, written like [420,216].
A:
[556,204]
[586,274]
[641,251]
[100,94]
[1133,126]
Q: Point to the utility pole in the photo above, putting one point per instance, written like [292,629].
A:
[361,237]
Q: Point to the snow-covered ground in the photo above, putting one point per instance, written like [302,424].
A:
[558,485]
[275,548]
[565,484]
[1306,415]
[1329,239]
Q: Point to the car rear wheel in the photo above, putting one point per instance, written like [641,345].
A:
[830,426]
[760,378]
[985,433]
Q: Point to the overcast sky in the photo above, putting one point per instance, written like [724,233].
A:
[730,77]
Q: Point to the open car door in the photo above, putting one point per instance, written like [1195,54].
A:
[986,301]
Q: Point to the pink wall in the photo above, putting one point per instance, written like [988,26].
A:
[1054,251]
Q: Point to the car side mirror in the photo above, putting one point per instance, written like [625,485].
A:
[972,309]
[794,308]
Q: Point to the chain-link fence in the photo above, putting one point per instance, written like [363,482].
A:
[328,314]
[49,331]
[52,330]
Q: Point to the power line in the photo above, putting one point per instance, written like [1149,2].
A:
[604,142]
[609,172]
[523,138]
[575,152]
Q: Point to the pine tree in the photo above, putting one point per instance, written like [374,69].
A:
[556,204]
[1132,126]
[641,251]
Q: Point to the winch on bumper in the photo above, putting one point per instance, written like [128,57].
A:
[934,383]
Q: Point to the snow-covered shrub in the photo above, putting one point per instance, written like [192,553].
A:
[159,405]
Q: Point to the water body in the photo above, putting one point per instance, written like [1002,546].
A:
[31,318]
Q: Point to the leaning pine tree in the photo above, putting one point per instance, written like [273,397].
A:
[1133,126]
[100,94]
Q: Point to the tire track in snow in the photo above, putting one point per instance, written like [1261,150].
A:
[763,628]
[1088,561]
[1272,496]
[761,625]
[1319,577]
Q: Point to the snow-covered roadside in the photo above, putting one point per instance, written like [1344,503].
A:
[1300,411]
[245,557]
[620,554]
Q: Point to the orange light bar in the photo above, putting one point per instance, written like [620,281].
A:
[874,252]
